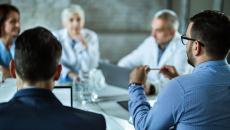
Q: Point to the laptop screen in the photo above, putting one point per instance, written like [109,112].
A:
[64,94]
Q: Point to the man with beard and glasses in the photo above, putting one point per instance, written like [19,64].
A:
[197,101]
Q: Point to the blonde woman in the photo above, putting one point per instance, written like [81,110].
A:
[80,45]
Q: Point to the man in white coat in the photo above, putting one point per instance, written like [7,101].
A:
[163,47]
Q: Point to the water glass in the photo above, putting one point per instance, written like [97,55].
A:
[82,89]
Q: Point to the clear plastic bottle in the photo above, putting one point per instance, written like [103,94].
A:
[76,88]
[86,90]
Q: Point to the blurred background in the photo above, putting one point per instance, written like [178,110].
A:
[120,24]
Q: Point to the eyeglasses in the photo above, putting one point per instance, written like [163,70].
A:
[185,40]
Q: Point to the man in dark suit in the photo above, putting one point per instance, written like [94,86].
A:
[36,67]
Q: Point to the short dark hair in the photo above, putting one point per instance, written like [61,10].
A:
[5,10]
[37,55]
[213,29]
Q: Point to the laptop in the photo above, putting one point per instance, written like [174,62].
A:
[64,94]
[115,75]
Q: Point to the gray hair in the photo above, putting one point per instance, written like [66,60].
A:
[73,9]
[169,16]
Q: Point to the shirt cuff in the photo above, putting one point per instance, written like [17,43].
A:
[137,93]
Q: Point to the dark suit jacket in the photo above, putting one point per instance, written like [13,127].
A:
[39,109]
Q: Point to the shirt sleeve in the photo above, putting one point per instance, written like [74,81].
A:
[165,113]
[93,51]
[89,58]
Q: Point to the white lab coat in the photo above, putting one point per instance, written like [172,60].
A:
[147,54]
[78,57]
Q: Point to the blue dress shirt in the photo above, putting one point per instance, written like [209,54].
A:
[5,54]
[197,101]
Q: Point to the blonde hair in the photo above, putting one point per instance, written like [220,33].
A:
[73,9]
[169,16]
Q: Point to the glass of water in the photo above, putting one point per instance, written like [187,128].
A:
[83,89]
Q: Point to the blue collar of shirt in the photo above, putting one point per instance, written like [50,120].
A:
[213,63]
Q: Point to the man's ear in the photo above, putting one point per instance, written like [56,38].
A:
[197,48]
[58,72]
[12,69]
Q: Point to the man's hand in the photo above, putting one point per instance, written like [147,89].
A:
[169,71]
[83,41]
[81,38]
[138,75]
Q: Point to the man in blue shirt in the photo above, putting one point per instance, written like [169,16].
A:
[197,101]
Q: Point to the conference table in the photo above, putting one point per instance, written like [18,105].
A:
[117,118]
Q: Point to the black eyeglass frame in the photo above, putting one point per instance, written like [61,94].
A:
[191,39]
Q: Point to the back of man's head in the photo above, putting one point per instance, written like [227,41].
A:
[37,55]
[212,28]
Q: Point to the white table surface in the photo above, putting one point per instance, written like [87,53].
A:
[7,90]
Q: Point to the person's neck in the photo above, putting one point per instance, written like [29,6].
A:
[39,84]
[163,45]
[205,59]
[7,40]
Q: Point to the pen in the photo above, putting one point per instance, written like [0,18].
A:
[153,69]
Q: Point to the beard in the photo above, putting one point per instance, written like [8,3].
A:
[190,62]
[191,59]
